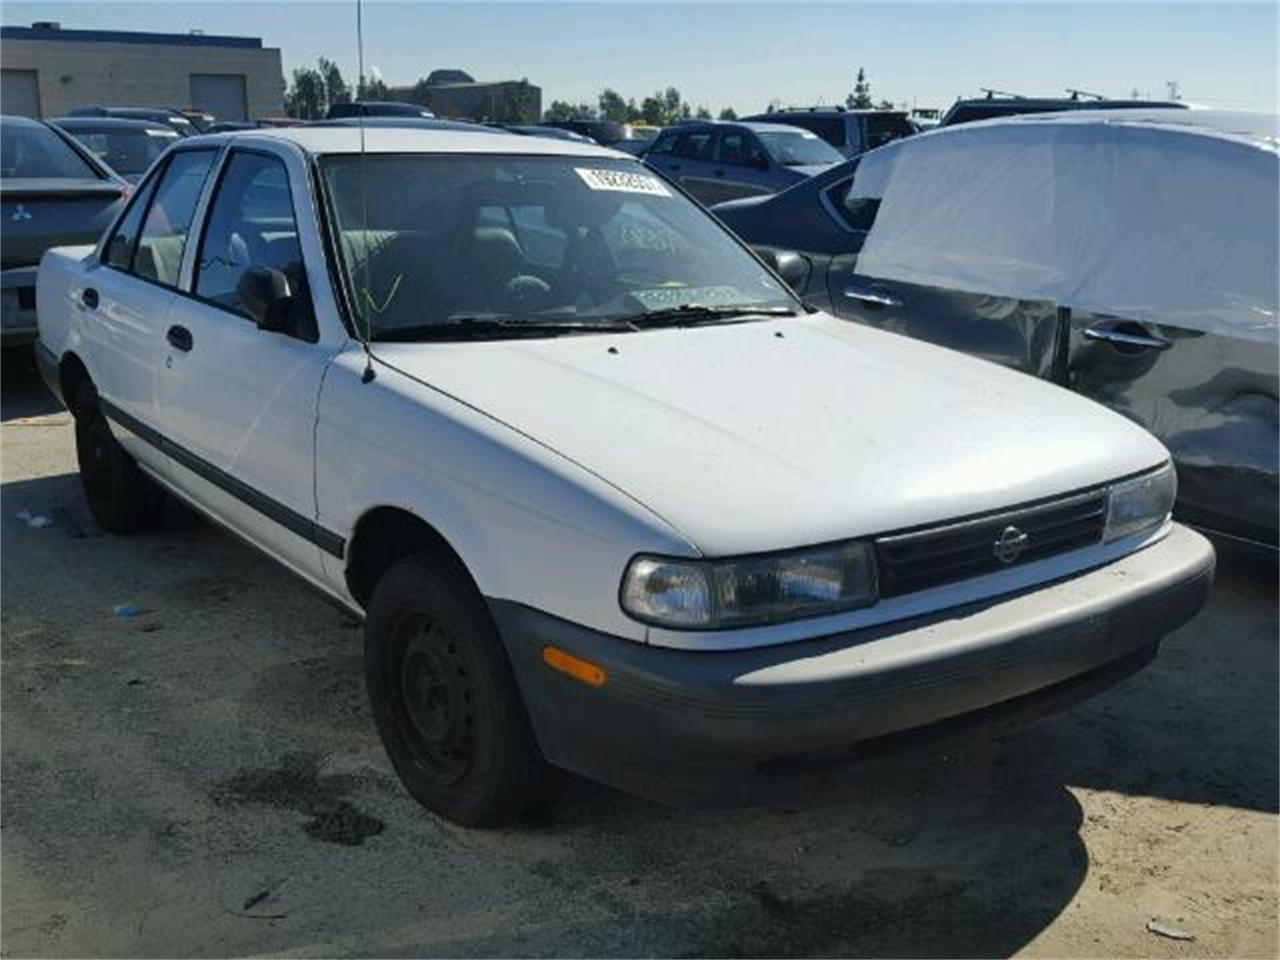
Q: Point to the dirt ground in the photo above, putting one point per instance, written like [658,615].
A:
[174,775]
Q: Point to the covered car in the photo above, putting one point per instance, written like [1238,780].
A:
[1129,255]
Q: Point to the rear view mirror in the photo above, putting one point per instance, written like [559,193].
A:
[266,295]
[789,265]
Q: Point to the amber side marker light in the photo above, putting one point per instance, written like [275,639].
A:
[588,673]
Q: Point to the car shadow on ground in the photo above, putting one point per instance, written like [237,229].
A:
[22,392]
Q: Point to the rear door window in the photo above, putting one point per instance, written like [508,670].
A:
[884,128]
[694,146]
[164,233]
[124,241]
[742,149]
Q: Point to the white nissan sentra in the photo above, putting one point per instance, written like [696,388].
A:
[606,494]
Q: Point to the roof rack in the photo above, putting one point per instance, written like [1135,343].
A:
[835,107]
[992,94]
[1077,94]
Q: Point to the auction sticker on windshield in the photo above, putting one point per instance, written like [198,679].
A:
[622,181]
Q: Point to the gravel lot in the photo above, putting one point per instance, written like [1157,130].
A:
[160,773]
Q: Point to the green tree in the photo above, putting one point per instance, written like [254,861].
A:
[335,88]
[634,115]
[373,89]
[702,113]
[563,110]
[612,106]
[728,113]
[653,112]
[860,99]
[306,98]
[673,108]
[885,105]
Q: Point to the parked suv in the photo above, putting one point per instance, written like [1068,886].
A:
[376,108]
[849,131]
[996,104]
[717,161]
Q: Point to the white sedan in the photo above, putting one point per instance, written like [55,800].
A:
[606,494]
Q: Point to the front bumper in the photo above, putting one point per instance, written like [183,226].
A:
[738,726]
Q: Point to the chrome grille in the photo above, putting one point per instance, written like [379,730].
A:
[921,559]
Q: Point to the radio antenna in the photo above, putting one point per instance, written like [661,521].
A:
[367,303]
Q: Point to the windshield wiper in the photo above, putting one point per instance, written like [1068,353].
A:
[488,327]
[692,314]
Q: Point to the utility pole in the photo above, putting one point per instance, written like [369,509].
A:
[1172,86]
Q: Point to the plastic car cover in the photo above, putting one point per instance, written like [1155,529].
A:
[1158,223]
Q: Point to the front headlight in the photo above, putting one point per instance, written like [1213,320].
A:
[745,591]
[1138,504]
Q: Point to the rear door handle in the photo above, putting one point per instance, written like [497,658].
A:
[719,173]
[871,297]
[673,166]
[180,338]
[1130,335]
[89,297]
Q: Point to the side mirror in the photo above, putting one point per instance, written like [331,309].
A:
[265,294]
[789,265]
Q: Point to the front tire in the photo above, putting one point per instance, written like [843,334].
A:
[121,497]
[444,698]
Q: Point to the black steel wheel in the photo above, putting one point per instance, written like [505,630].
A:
[443,696]
[121,497]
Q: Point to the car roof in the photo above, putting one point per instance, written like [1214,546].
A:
[403,123]
[1256,128]
[757,126]
[19,120]
[826,112]
[319,140]
[114,123]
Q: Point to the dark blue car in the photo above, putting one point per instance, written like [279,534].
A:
[716,161]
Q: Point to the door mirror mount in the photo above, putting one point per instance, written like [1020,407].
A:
[789,265]
[267,296]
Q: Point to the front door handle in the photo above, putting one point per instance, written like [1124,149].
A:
[89,297]
[673,166]
[871,296]
[180,338]
[1131,336]
[719,173]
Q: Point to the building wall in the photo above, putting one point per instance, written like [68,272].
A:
[74,74]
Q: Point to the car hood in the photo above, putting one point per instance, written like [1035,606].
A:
[779,433]
[741,203]
[812,169]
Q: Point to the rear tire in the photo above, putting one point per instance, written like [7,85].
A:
[121,497]
[444,698]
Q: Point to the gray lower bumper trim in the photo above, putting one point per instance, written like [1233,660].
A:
[690,726]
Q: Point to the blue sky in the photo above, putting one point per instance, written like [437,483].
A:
[745,54]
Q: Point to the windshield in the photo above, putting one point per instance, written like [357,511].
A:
[799,148]
[129,152]
[433,244]
[35,151]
